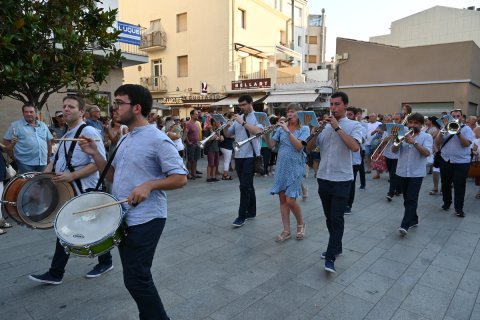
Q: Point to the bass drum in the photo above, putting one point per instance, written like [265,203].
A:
[34,199]
[90,233]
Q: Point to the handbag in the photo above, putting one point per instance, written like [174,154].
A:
[474,170]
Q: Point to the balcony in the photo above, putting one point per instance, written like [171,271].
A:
[254,75]
[153,38]
[155,84]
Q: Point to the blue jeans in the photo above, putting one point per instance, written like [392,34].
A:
[351,197]
[248,201]
[24,168]
[334,196]
[137,249]
[410,189]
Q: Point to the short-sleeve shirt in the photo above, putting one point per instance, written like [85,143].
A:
[32,144]
[411,164]
[79,158]
[146,154]
[193,132]
[453,151]
[336,163]
[240,133]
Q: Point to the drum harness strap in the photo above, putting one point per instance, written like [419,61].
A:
[69,156]
[107,166]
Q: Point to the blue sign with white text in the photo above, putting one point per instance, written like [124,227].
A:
[130,33]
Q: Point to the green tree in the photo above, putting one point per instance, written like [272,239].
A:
[47,45]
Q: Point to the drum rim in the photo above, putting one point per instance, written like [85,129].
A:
[87,246]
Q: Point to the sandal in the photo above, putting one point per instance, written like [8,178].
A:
[227,177]
[285,235]
[301,231]
[6,225]
[477,196]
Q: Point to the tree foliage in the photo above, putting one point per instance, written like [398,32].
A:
[47,45]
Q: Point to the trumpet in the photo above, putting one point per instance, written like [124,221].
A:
[399,140]
[202,143]
[452,127]
[238,145]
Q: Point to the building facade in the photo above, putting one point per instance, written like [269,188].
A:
[431,78]
[204,54]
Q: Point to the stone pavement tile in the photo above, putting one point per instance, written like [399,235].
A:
[453,257]
[369,286]
[203,304]
[476,311]
[440,278]
[384,309]
[465,239]
[16,313]
[407,281]
[316,277]
[474,262]
[261,310]
[345,306]
[290,295]
[469,226]
[238,305]
[362,243]
[470,281]
[356,269]
[316,303]
[241,282]
[402,314]
[462,305]
[402,253]
[201,247]
[428,302]
[244,261]
[388,268]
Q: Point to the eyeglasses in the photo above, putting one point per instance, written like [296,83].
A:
[243,104]
[117,103]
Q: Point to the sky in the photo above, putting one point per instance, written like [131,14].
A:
[362,19]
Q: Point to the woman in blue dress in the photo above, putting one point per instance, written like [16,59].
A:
[290,170]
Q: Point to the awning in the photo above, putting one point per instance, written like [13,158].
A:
[300,97]
[233,100]
[159,106]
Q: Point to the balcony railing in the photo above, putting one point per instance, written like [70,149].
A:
[153,40]
[131,48]
[155,83]
[254,75]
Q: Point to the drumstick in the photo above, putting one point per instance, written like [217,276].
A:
[73,139]
[101,206]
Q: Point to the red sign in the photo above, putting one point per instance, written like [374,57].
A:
[251,84]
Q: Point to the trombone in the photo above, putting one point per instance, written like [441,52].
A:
[384,143]
[202,143]
[238,145]
[399,140]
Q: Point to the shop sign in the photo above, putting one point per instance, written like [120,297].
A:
[251,84]
[197,97]
[170,101]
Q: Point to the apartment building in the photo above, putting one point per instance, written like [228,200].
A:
[204,54]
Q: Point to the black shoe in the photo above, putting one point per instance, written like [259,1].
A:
[198,172]
[98,270]
[403,232]
[445,207]
[389,197]
[398,193]
[238,222]
[348,210]
[362,187]
[330,266]
[45,278]
[460,214]
[323,254]
[250,218]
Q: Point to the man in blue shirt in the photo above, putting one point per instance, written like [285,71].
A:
[28,141]
[455,153]
[146,164]
[338,141]
[411,168]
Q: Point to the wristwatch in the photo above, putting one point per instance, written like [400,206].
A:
[243,124]
[337,128]
[415,143]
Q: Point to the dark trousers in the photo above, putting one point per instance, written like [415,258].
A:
[455,173]
[410,189]
[266,153]
[394,179]
[334,196]
[361,170]
[60,259]
[248,201]
[137,249]
[356,169]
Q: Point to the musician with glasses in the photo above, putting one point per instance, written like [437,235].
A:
[146,165]
[244,126]
[411,167]
[455,163]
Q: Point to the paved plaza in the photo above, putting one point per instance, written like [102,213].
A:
[205,269]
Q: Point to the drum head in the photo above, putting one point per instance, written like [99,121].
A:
[89,227]
[40,199]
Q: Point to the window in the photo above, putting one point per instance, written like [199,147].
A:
[312,40]
[182,22]
[312,58]
[242,18]
[283,37]
[299,41]
[182,66]
[157,68]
